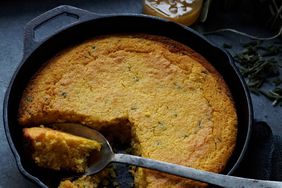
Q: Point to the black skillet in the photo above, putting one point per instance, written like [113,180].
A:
[88,25]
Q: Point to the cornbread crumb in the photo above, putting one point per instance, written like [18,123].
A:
[57,150]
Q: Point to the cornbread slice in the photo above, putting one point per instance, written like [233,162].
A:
[178,106]
[58,150]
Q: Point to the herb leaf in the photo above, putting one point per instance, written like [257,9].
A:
[257,64]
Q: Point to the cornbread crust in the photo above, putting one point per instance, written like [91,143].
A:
[179,107]
[57,150]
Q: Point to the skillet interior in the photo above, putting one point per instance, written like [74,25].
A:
[121,24]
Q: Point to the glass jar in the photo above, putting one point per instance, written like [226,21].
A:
[181,11]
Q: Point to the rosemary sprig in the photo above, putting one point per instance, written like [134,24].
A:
[275,95]
[257,65]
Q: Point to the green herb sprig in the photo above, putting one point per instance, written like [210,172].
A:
[275,95]
[257,64]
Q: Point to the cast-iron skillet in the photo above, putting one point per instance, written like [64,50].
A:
[87,25]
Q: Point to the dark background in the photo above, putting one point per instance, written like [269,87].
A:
[247,16]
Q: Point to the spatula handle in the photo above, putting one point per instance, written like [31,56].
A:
[191,173]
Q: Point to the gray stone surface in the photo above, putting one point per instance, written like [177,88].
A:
[14,15]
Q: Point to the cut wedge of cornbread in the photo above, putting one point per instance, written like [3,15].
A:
[58,150]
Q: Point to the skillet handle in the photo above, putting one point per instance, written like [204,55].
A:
[74,15]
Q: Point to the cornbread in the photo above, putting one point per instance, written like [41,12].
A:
[83,182]
[100,179]
[178,106]
[57,150]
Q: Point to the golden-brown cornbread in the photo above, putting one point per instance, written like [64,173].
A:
[179,107]
[57,150]
[83,182]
